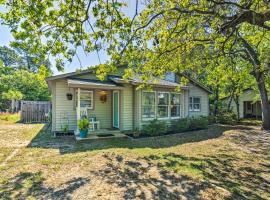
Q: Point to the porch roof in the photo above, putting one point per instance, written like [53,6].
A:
[86,83]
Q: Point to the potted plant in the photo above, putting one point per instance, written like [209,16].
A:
[83,125]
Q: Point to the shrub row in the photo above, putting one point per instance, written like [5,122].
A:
[224,117]
[160,127]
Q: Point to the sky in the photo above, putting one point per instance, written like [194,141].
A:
[86,60]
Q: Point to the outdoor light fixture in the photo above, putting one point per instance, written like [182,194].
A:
[103,96]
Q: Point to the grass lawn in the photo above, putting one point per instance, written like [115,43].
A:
[223,162]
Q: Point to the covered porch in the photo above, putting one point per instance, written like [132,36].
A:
[99,102]
[252,109]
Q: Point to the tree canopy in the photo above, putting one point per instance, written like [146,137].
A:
[206,36]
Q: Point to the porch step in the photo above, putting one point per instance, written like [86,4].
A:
[102,134]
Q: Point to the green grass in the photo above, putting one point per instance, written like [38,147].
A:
[218,163]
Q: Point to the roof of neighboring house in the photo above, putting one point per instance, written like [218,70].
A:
[118,80]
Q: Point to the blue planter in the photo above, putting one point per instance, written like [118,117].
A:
[83,133]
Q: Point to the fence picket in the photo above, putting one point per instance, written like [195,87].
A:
[35,111]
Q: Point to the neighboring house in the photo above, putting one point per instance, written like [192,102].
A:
[249,104]
[116,103]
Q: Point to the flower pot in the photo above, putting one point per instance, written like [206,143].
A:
[83,133]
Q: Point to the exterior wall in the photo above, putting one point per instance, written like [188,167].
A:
[64,109]
[126,108]
[198,92]
[248,95]
[139,123]
[61,107]
[102,111]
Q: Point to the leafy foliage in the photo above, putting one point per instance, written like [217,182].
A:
[155,127]
[83,124]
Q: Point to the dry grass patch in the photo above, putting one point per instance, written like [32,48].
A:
[222,162]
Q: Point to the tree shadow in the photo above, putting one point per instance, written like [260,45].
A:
[68,144]
[143,180]
[28,184]
[222,170]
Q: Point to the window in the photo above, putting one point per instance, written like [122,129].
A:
[148,105]
[163,105]
[86,99]
[175,105]
[195,104]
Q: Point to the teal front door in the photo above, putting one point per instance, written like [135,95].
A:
[116,109]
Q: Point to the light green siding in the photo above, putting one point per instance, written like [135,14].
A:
[64,109]
[195,91]
[126,108]
[102,111]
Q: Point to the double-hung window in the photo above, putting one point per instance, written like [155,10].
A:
[162,105]
[195,104]
[148,105]
[86,99]
[175,105]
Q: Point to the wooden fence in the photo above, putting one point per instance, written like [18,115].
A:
[35,111]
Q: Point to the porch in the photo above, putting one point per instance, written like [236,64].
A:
[252,109]
[102,134]
[99,102]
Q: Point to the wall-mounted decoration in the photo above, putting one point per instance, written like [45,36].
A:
[69,96]
[103,96]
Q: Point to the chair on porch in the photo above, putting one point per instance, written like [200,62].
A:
[93,123]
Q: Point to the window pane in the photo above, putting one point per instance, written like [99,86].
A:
[163,98]
[148,111]
[148,98]
[191,106]
[196,107]
[86,103]
[162,111]
[196,100]
[175,99]
[86,95]
[175,111]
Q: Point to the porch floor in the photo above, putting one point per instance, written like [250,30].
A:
[102,134]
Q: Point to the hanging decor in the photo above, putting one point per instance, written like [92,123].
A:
[69,96]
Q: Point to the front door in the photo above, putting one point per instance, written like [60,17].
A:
[116,109]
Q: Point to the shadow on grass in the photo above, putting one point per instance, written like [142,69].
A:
[28,184]
[222,170]
[67,144]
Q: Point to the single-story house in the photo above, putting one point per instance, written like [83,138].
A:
[249,104]
[118,104]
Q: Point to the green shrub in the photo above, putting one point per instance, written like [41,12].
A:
[155,127]
[180,125]
[197,123]
[227,118]
[212,119]
[83,124]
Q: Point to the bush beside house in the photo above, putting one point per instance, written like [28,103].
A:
[159,127]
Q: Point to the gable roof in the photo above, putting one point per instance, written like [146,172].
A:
[136,80]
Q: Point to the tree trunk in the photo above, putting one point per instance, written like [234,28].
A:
[264,102]
[236,100]
[216,101]
[229,103]
[12,105]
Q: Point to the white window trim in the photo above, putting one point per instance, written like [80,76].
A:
[169,112]
[92,98]
[193,110]
[155,108]
[180,106]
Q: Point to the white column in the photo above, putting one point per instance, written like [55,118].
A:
[78,108]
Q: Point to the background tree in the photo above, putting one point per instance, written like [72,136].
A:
[160,37]
[13,96]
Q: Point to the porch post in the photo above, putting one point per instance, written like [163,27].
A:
[78,108]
